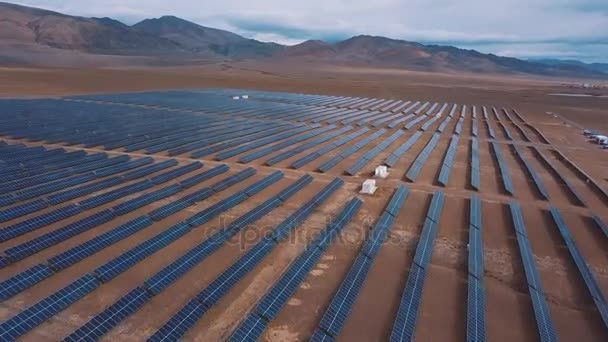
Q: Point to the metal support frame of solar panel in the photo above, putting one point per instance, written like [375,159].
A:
[538,183]
[178,325]
[329,164]
[582,266]
[504,170]
[339,308]
[544,323]
[476,291]
[540,134]
[327,148]
[448,161]
[275,298]
[418,163]
[307,145]
[371,154]
[405,322]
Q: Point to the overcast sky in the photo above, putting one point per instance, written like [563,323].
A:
[576,29]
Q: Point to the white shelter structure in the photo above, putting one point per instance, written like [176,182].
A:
[381,171]
[369,187]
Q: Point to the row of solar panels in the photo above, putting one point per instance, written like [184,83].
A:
[181,322]
[544,323]
[476,323]
[341,304]
[418,163]
[538,183]
[20,323]
[446,167]
[578,199]
[371,154]
[329,164]
[475,165]
[91,221]
[407,314]
[584,270]
[328,148]
[55,215]
[271,303]
[504,170]
[603,193]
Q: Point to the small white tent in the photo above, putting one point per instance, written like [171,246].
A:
[381,171]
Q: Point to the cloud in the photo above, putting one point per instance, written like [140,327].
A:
[521,28]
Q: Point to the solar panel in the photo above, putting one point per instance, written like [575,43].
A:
[111,316]
[405,323]
[504,171]
[92,246]
[203,176]
[320,336]
[39,221]
[86,189]
[22,209]
[342,302]
[145,199]
[115,194]
[236,178]
[369,155]
[476,327]
[538,183]
[111,269]
[179,324]
[416,167]
[23,280]
[294,188]
[44,241]
[264,183]
[33,316]
[107,171]
[180,171]
[144,171]
[249,330]
[394,157]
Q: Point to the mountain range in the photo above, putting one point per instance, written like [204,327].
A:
[37,36]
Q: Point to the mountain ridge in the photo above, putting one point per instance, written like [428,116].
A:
[181,41]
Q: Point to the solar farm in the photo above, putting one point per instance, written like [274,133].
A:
[205,215]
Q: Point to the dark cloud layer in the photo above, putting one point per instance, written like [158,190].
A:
[520,28]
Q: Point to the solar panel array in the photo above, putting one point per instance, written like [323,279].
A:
[371,154]
[339,308]
[274,299]
[189,314]
[564,181]
[329,164]
[584,270]
[448,160]
[475,165]
[504,169]
[538,183]
[544,323]
[416,167]
[407,314]
[75,254]
[128,259]
[394,157]
[476,322]
[132,301]
[328,148]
